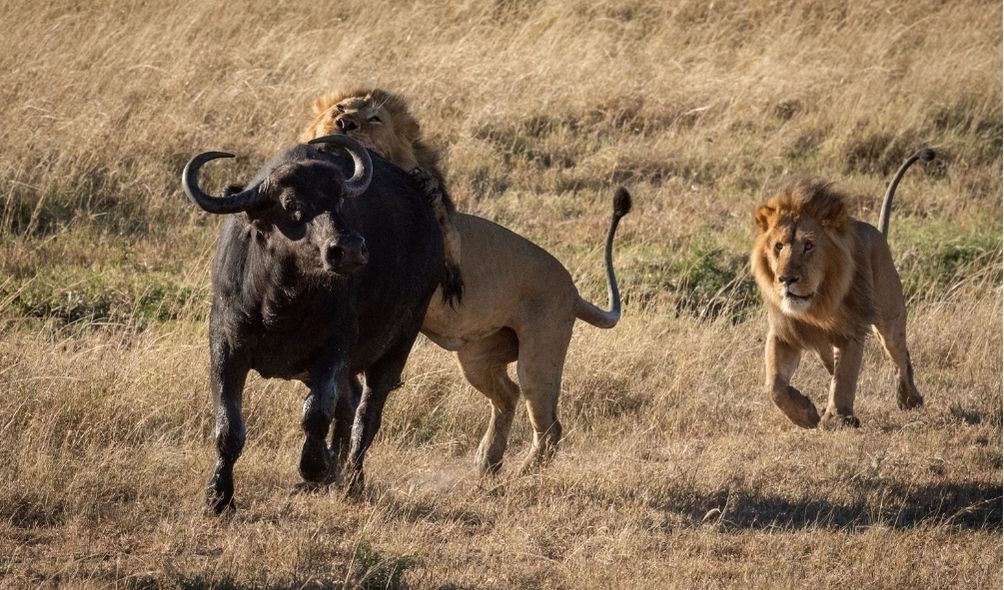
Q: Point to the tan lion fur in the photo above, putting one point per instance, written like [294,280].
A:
[825,277]
[398,138]
[519,302]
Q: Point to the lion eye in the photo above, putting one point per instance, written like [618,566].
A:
[339,108]
[778,247]
[809,246]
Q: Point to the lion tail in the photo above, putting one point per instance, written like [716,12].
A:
[926,154]
[585,310]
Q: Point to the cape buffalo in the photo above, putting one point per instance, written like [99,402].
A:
[317,278]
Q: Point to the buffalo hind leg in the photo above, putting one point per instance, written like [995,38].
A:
[227,381]
[484,365]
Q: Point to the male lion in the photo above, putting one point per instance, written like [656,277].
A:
[825,277]
[380,120]
[519,302]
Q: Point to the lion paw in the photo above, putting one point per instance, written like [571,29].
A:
[834,421]
[798,408]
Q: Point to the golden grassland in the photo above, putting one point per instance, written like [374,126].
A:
[676,469]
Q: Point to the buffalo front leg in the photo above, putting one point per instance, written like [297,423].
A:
[227,377]
[316,465]
[345,413]
[847,365]
[782,359]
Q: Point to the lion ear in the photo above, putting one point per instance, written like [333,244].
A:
[763,216]
[411,129]
[321,104]
[834,215]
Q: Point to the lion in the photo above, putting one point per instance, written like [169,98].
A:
[825,277]
[519,304]
[380,120]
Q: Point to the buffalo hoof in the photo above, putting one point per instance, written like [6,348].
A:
[315,462]
[217,503]
[834,421]
[355,483]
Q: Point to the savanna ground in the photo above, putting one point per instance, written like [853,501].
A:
[676,469]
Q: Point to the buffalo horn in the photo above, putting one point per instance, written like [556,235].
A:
[241,201]
[363,165]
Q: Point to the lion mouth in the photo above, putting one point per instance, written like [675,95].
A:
[796,297]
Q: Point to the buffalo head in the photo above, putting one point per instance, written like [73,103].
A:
[295,208]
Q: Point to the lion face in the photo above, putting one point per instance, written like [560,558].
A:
[375,118]
[802,261]
[793,259]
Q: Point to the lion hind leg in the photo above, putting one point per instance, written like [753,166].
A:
[540,366]
[892,335]
[484,365]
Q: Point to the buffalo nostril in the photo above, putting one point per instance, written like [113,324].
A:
[335,253]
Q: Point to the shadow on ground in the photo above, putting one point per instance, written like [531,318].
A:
[975,506]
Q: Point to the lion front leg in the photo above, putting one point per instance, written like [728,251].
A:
[847,365]
[435,194]
[782,359]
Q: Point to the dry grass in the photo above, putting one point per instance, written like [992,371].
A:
[676,471]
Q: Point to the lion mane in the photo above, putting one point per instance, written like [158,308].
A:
[403,145]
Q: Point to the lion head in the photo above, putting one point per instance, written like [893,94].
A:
[803,259]
[378,119]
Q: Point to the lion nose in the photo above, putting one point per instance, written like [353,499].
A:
[787,279]
[345,124]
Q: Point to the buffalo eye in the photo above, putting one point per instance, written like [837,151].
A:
[374,119]
[809,246]
[292,207]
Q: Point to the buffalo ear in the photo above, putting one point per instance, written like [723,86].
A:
[763,216]
[264,216]
[232,189]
